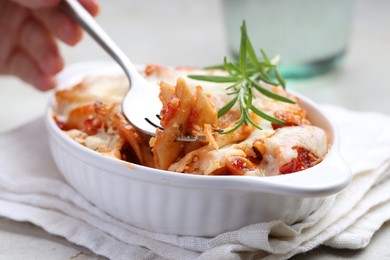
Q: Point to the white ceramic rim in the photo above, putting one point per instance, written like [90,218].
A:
[326,178]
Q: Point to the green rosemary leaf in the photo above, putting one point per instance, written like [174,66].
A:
[279,78]
[234,89]
[265,57]
[267,65]
[232,86]
[267,117]
[227,107]
[251,121]
[243,50]
[231,68]
[271,94]
[266,79]
[251,71]
[246,75]
[252,54]
[215,67]
[212,78]
[249,98]
[236,125]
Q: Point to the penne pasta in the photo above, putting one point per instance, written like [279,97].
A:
[90,114]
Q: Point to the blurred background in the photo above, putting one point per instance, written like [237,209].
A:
[190,32]
[193,32]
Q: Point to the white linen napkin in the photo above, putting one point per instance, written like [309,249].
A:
[32,189]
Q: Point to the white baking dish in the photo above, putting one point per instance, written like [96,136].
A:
[186,204]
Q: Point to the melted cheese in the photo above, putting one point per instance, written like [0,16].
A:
[279,147]
[247,151]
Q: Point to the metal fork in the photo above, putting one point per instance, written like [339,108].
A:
[141,104]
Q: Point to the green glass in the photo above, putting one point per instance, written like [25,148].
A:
[310,35]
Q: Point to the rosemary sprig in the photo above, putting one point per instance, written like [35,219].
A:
[247,75]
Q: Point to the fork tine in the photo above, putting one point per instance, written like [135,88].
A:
[190,138]
[153,124]
[179,138]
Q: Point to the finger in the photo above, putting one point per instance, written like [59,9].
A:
[37,4]
[12,16]
[92,6]
[23,66]
[61,25]
[41,46]
[58,23]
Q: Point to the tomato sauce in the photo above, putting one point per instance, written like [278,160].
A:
[304,160]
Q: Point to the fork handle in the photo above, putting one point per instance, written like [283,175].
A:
[78,13]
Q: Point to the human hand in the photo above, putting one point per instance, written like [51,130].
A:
[28,32]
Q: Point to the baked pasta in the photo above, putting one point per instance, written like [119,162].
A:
[90,113]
